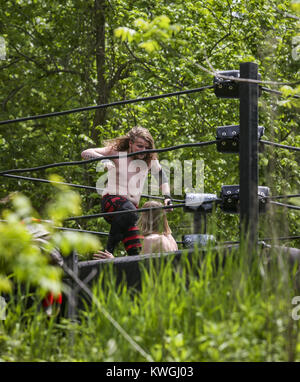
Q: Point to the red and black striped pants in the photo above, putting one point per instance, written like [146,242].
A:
[124,226]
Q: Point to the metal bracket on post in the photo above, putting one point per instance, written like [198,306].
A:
[230,196]
[200,205]
[228,138]
[248,151]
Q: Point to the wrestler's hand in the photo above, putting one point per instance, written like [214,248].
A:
[103,255]
[168,202]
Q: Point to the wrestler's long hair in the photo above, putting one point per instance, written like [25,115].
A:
[154,221]
[122,143]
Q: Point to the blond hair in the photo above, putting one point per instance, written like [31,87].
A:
[154,221]
[122,143]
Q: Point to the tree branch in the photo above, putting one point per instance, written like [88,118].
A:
[10,64]
[118,74]
[149,70]
[218,42]
[10,96]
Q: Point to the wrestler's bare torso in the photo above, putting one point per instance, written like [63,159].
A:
[126,175]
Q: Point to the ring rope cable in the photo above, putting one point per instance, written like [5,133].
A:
[82,231]
[139,210]
[79,186]
[277,92]
[296,237]
[103,106]
[281,196]
[280,145]
[82,162]
[142,195]
[141,257]
[290,206]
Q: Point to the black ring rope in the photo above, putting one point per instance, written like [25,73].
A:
[290,206]
[178,242]
[180,205]
[171,148]
[280,145]
[103,106]
[82,231]
[124,212]
[50,181]
[277,92]
[218,200]
[281,238]
[158,208]
[182,242]
[124,102]
[281,196]
[82,162]
[141,257]
[79,186]
[142,195]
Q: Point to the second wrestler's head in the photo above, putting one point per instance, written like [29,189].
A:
[154,221]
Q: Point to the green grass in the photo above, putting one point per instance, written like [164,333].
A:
[186,310]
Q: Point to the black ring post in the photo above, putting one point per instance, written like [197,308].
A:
[248,94]
[199,222]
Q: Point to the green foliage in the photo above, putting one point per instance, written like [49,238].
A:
[295,5]
[20,255]
[150,33]
[64,55]
[187,310]
[290,93]
[23,258]
[146,48]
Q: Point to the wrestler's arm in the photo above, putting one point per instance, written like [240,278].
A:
[98,152]
[162,179]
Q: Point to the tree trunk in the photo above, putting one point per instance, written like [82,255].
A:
[102,86]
